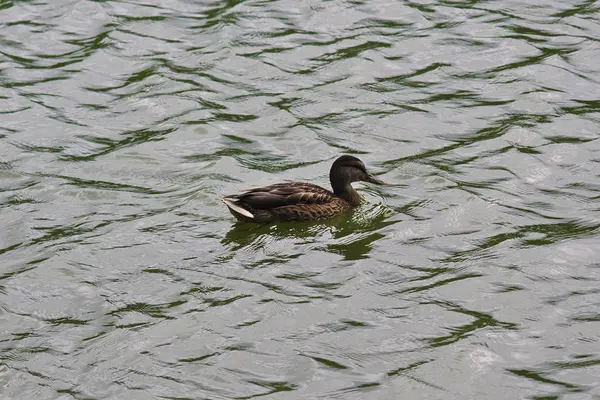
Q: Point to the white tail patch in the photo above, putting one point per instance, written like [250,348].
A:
[232,204]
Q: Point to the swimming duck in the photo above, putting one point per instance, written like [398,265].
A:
[302,201]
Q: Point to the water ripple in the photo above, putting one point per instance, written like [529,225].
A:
[473,274]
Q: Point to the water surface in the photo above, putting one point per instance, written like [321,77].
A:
[474,274]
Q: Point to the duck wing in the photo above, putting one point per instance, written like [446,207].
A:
[284,194]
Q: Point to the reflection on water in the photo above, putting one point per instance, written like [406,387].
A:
[474,274]
[350,235]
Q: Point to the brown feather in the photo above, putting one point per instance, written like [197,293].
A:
[290,201]
[302,201]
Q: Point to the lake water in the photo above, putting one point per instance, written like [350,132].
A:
[475,274]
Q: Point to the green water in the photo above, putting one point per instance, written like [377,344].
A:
[473,275]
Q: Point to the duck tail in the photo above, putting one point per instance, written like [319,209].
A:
[237,209]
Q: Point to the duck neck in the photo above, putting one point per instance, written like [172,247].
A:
[347,193]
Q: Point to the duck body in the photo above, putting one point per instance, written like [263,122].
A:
[302,201]
[289,201]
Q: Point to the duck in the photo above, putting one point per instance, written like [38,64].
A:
[303,201]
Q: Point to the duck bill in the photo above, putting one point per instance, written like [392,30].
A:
[372,179]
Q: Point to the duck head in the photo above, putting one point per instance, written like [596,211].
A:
[347,169]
